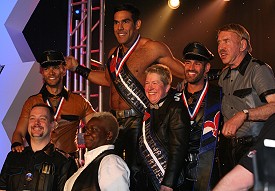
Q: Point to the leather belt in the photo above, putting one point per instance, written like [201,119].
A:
[120,114]
[243,140]
[192,157]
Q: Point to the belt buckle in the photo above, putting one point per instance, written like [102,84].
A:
[120,114]
[192,157]
[129,113]
[242,140]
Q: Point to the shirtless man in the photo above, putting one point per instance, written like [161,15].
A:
[133,55]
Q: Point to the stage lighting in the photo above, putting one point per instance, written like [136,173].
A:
[174,4]
[77,12]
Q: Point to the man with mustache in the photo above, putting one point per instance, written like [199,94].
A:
[248,87]
[203,101]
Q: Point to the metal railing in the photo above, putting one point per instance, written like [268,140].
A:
[85,41]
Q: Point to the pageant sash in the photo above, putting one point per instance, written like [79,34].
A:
[154,155]
[121,62]
[128,87]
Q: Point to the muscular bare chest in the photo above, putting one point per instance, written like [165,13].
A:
[138,62]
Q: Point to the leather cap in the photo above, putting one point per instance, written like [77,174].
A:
[197,51]
[51,58]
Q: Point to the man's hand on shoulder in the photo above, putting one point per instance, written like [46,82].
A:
[17,147]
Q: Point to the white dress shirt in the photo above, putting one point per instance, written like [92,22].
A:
[113,172]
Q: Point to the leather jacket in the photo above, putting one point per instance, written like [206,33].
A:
[171,124]
[44,170]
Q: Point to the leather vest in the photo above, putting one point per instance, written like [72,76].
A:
[82,183]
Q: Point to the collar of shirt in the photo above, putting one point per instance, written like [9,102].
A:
[159,104]
[48,149]
[241,68]
[46,94]
[89,156]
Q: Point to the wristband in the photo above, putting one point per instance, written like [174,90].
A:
[83,71]
[15,144]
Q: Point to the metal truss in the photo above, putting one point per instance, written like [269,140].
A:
[85,42]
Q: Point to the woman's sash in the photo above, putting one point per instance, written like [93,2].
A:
[153,154]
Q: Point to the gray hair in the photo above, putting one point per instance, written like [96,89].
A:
[163,71]
[110,120]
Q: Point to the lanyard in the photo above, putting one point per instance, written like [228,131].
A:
[126,56]
[193,113]
[57,112]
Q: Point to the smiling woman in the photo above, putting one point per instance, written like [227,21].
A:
[158,82]
[165,134]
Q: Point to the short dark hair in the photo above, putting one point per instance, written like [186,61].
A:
[130,8]
[51,111]
[110,120]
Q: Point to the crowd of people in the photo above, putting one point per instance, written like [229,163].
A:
[199,136]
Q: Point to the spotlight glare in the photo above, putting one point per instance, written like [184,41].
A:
[174,4]
[77,11]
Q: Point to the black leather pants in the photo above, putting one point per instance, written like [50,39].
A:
[232,150]
[145,183]
[126,145]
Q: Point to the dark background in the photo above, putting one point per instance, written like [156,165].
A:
[199,20]
[194,20]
